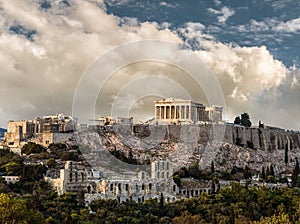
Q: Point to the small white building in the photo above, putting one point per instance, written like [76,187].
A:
[11,179]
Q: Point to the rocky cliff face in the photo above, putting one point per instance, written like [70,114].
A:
[228,146]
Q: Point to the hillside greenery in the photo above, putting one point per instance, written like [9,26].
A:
[229,205]
[31,200]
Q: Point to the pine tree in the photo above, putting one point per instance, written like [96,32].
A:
[263,173]
[212,167]
[286,156]
[247,173]
[245,120]
[213,187]
[237,120]
[161,202]
[267,172]
[272,173]
[295,174]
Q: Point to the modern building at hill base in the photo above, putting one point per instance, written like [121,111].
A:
[180,111]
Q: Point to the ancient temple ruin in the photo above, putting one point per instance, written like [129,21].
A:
[46,130]
[180,111]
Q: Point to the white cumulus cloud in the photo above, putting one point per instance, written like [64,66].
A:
[41,74]
[291,26]
[223,14]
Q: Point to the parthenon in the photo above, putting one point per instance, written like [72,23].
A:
[173,110]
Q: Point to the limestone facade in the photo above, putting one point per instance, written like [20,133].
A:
[46,130]
[108,120]
[18,131]
[55,123]
[75,177]
[143,186]
[161,169]
[193,188]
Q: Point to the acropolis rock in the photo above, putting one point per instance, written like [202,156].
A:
[227,145]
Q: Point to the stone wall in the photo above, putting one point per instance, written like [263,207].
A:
[18,131]
[267,139]
[47,138]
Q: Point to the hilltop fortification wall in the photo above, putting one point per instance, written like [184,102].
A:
[267,139]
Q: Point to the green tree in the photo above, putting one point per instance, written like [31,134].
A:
[272,172]
[161,203]
[14,210]
[51,163]
[275,219]
[268,172]
[263,173]
[31,147]
[13,168]
[295,174]
[177,180]
[247,172]
[186,217]
[237,120]
[212,167]
[286,156]
[245,120]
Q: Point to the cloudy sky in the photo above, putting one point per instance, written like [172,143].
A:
[252,47]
